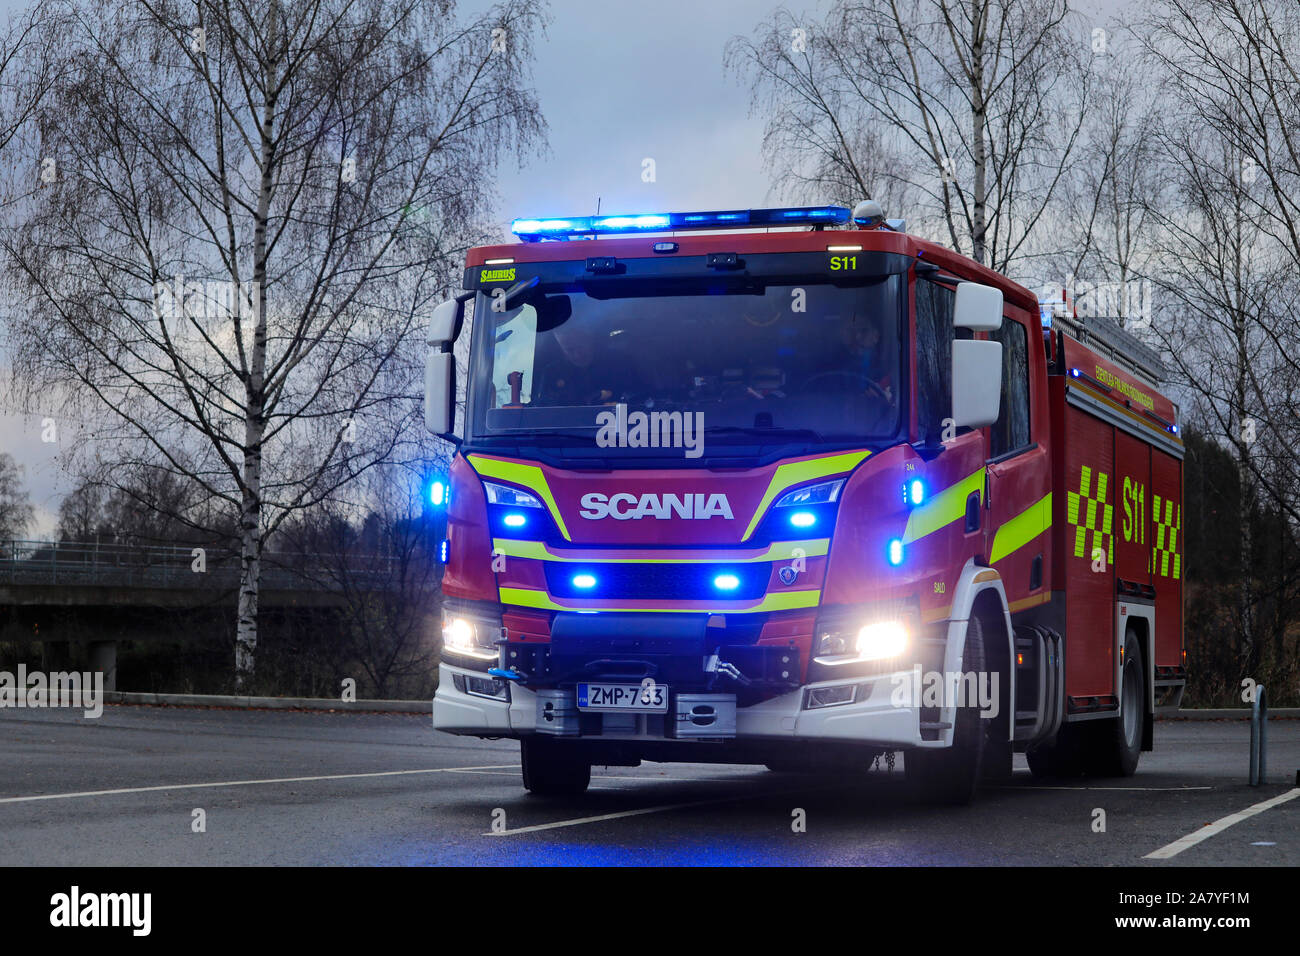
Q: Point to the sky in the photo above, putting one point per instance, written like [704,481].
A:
[619,82]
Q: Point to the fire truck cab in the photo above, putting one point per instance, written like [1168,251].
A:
[793,487]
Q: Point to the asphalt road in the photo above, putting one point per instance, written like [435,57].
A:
[121,791]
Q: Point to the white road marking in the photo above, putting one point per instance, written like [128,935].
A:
[1142,789]
[613,776]
[1218,826]
[237,783]
[644,810]
[608,816]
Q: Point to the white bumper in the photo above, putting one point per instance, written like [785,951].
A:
[460,713]
[883,716]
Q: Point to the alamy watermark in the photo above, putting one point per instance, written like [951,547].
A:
[1129,301]
[75,909]
[201,301]
[947,689]
[619,429]
[58,689]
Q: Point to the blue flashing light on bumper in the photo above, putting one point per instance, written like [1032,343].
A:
[803,519]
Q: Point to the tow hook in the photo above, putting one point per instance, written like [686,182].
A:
[715,665]
[506,673]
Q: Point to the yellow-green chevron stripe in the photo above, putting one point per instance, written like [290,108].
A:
[780,601]
[943,509]
[798,473]
[777,551]
[1023,528]
[527,476]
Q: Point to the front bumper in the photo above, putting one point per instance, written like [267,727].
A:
[882,714]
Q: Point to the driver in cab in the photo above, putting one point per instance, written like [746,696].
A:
[577,376]
[868,358]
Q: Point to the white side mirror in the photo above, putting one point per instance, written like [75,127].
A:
[978,308]
[976,382]
[440,369]
[443,322]
[439,401]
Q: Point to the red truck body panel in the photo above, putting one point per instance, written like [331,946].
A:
[1103,471]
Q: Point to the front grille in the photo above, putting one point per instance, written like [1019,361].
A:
[657,582]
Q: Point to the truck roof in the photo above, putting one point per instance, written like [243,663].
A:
[1115,360]
[702,243]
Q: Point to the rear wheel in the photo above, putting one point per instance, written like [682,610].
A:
[951,775]
[552,770]
[1102,748]
[1116,745]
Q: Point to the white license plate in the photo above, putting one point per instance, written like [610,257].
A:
[649,699]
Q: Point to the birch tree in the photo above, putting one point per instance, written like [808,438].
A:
[27,61]
[970,110]
[254,209]
[1230,236]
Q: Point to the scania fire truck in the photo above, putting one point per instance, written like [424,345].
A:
[796,488]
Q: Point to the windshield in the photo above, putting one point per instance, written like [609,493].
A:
[815,361]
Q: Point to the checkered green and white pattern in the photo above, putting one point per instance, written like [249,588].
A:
[1089,512]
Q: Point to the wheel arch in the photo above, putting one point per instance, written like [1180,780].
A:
[979,592]
[1141,620]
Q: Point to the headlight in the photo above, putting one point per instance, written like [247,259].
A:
[882,639]
[469,638]
[509,497]
[876,641]
[804,512]
[822,493]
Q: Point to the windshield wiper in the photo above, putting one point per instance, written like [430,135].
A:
[521,287]
[541,436]
[755,430]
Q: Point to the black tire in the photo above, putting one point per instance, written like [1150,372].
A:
[1061,756]
[951,776]
[999,761]
[1114,746]
[550,771]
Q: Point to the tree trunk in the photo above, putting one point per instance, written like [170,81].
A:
[250,515]
[1245,483]
[250,567]
[979,120]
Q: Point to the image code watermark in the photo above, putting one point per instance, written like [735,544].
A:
[1190,898]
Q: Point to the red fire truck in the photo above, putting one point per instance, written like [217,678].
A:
[793,487]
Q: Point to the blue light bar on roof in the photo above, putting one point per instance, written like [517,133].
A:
[532,230]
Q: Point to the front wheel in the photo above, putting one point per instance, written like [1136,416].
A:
[951,775]
[550,770]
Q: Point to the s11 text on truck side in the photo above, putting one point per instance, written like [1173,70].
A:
[798,496]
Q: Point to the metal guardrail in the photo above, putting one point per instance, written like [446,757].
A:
[67,563]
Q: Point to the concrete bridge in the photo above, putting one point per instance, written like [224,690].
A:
[90,573]
[97,593]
